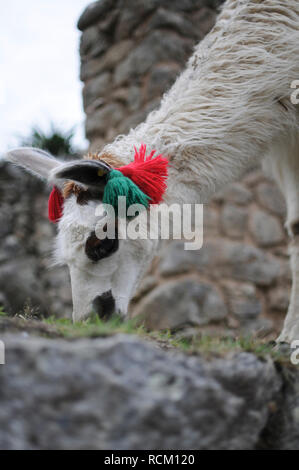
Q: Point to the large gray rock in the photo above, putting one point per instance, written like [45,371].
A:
[182,302]
[271,198]
[106,116]
[124,393]
[266,229]
[164,18]
[88,39]
[96,88]
[243,300]
[94,12]
[93,43]
[162,76]
[279,298]
[20,283]
[234,220]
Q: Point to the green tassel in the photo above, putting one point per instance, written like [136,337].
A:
[119,185]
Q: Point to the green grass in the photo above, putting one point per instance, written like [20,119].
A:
[210,346]
[205,345]
[198,344]
[94,327]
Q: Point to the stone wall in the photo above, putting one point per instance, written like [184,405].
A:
[131,53]
[28,283]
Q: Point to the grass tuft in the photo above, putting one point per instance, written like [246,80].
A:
[94,327]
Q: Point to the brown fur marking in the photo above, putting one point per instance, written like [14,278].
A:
[71,188]
[105,157]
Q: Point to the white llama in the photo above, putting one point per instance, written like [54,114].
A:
[229,108]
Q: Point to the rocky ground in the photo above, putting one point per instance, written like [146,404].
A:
[112,386]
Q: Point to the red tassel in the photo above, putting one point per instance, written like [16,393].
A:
[148,173]
[55,205]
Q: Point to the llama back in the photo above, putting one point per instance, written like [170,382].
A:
[252,41]
[240,75]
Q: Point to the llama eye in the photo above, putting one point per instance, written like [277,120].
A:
[97,249]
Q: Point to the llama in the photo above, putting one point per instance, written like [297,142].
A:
[230,108]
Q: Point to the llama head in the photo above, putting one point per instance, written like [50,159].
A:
[104,272]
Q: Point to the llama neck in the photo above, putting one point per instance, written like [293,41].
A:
[209,142]
[201,162]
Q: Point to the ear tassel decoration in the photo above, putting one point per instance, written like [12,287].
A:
[55,205]
[120,185]
[142,181]
[148,173]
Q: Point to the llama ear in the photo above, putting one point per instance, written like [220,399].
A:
[90,173]
[36,161]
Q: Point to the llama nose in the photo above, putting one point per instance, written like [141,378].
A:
[104,305]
